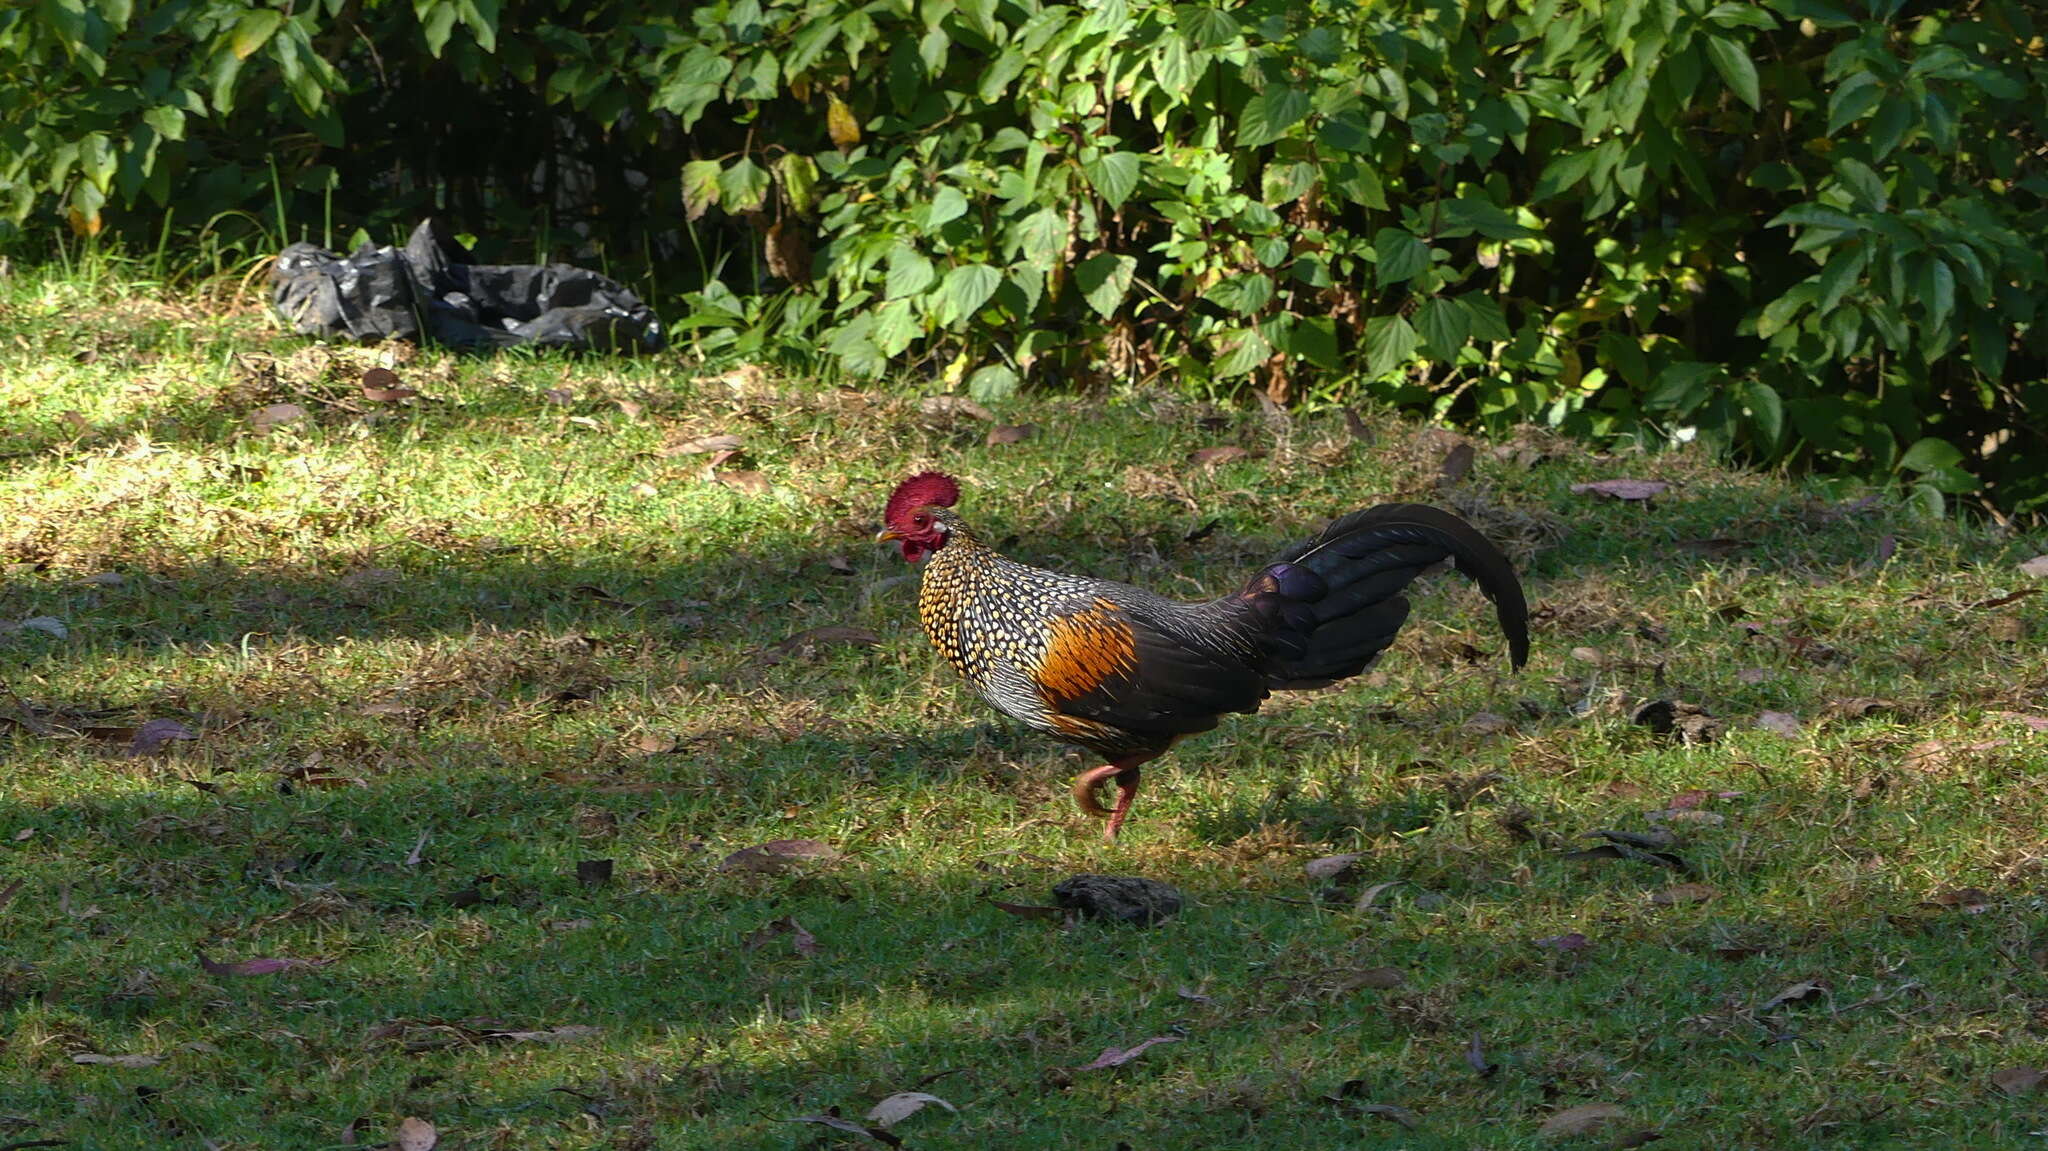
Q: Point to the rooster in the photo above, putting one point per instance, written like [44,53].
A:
[1126,674]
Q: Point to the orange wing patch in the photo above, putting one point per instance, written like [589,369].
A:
[1087,647]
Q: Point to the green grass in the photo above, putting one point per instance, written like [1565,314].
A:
[488,605]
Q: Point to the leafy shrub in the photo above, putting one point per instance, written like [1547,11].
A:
[1799,231]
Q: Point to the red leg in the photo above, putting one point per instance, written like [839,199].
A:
[1125,772]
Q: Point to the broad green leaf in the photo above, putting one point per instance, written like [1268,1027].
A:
[700,186]
[1114,176]
[1862,182]
[1398,256]
[1270,114]
[1732,61]
[798,174]
[1681,387]
[1389,343]
[1562,174]
[1041,237]
[254,30]
[947,205]
[1445,327]
[1766,409]
[1314,338]
[1484,314]
[992,384]
[966,289]
[1173,67]
[167,120]
[1104,278]
[1930,454]
[895,327]
[1000,74]
[1243,294]
[1245,349]
[1204,26]
[743,187]
[1936,285]
[909,272]
[1852,99]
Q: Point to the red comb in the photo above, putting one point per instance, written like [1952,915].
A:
[925,489]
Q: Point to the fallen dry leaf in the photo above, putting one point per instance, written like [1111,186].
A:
[2018,1080]
[270,416]
[1802,992]
[2036,567]
[1932,753]
[1370,979]
[1118,1056]
[9,889]
[1968,900]
[1401,1115]
[1581,1120]
[702,444]
[750,483]
[1010,434]
[1753,675]
[381,386]
[2001,601]
[953,406]
[1455,464]
[1475,1057]
[257,966]
[779,855]
[1330,866]
[1679,893]
[1568,942]
[559,396]
[153,736]
[903,1105]
[119,1060]
[1213,457]
[1623,489]
[805,943]
[2034,723]
[1486,723]
[878,1134]
[416,1134]
[1366,897]
[1029,911]
[1779,722]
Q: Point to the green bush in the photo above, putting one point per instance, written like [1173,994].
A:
[1799,231]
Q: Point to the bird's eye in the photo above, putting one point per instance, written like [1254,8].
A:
[922,520]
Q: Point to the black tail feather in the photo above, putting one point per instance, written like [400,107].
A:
[1361,563]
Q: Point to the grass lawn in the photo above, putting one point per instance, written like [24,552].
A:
[443,655]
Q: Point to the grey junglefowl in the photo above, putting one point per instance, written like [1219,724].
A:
[1126,673]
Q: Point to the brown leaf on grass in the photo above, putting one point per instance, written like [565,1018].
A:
[2036,567]
[1475,1057]
[152,737]
[1582,1120]
[1456,463]
[1330,866]
[257,966]
[805,943]
[700,445]
[416,1134]
[381,386]
[593,872]
[1623,489]
[654,743]
[1569,942]
[778,855]
[1356,427]
[9,890]
[953,406]
[1803,992]
[902,1105]
[1779,722]
[2001,601]
[1968,900]
[559,396]
[1010,434]
[2034,723]
[1217,456]
[1715,548]
[1028,911]
[1371,894]
[1752,675]
[569,1033]
[2018,1080]
[270,416]
[1368,979]
[118,1060]
[1486,723]
[1679,893]
[878,1134]
[807,644]
[1929,754]
[839,565]
[746,482]
[1118,1056]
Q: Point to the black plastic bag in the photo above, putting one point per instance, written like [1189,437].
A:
[434,285]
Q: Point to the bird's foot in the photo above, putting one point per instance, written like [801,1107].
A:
[1126,776]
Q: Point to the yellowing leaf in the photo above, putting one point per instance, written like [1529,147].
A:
[839,122]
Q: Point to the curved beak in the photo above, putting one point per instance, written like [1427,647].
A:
[887,534]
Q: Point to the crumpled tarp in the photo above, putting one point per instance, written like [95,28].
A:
[434,284]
